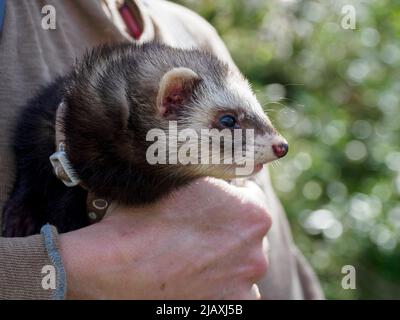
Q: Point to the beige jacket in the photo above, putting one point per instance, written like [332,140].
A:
[31,56]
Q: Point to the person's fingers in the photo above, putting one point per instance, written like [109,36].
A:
[255,292]
[254,191]
[265,246]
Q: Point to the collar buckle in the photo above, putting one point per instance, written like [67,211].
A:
[63,168]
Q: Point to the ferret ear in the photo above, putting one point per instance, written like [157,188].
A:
[176,88]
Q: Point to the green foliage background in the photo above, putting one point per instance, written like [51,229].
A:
[334,94]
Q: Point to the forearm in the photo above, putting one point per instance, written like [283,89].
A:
[21,264]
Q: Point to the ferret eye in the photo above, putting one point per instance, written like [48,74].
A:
[228,121]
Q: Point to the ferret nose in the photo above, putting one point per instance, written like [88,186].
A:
[280,150]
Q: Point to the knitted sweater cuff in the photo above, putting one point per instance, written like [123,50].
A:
[31,267]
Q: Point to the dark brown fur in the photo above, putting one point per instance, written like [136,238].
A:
[110,98]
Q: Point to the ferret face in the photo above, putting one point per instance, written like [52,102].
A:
[226,119]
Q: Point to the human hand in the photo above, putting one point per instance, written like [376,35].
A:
[204,241]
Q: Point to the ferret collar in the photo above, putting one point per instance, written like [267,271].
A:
[96,207]
[59,160]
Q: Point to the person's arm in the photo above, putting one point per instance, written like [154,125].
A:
[24,264]
[202,242]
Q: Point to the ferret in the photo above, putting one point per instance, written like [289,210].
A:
[110,101]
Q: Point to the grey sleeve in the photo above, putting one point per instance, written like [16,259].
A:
[289,276]
[309,282]
[22,262]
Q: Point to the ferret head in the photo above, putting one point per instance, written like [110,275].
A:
[222,115]
[215,110]
[158,117]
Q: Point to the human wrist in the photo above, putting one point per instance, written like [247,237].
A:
[73,250]
[86,253]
